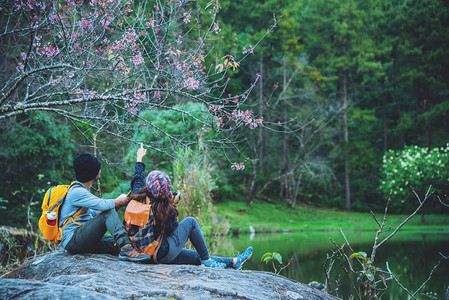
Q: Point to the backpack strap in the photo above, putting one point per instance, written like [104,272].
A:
[127,225]
[77,213]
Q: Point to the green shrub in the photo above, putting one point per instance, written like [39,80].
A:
[35,153]
[192,177]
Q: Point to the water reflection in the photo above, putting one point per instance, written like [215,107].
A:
[411,256]
[253,232]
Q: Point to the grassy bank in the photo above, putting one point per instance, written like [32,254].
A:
[264,217]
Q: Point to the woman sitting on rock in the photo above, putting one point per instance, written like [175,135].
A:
[158,188]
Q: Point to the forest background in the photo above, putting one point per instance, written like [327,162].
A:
[330,103]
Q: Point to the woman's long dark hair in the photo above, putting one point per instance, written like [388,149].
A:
[163,208]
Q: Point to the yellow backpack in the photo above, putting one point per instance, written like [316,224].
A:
[52,202]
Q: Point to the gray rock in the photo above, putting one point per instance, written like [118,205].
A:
[21,288]
[65,276]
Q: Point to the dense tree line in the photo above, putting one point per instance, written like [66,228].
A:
[364,77]
[334,85]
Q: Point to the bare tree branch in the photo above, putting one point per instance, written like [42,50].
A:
[284,267]
[375,219]
[441,201]
[347,263]
[397,281]
[368,272]
[381,228]
[421,203]
[427,280]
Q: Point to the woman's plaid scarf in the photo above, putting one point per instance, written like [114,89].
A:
[144,238]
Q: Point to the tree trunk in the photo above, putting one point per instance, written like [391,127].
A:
[427,124]
[445,126]
[285,143]
[384,104]
[416,84]
[95,154]
[398,111]
[251,193]
[426,109]
[260,142]
[346,137]
[291,199]
[294,194]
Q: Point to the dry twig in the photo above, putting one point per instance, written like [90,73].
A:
[441,201]
[397,281]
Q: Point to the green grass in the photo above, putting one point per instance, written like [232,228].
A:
[266,217]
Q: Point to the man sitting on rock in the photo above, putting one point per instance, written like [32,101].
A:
[86,233]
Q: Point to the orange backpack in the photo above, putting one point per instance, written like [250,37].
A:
[52,202]
[140,215]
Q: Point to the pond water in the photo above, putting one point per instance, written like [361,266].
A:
[411,256]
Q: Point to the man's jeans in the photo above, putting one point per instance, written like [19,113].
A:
[189,229]
[90,237]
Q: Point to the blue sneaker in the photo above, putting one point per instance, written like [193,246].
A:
[213,264]
[242,258]
[128,253]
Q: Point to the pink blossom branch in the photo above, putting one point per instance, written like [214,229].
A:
[102,58]
[22,77]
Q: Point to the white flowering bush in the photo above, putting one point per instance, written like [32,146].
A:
[413,168]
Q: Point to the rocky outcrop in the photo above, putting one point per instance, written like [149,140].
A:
[65,276]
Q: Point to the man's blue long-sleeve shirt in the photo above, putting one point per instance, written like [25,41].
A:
[80,196]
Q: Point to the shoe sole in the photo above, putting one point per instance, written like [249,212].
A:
[241,265]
